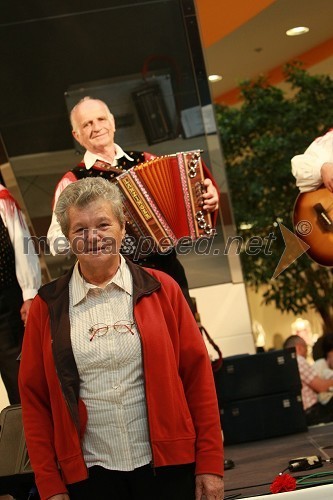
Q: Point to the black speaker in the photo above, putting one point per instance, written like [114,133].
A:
[253,375]
[153,114]
[262,417]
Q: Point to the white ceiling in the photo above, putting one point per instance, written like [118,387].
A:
[261,44]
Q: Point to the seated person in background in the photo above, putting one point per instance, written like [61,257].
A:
[315,166]
[324,365]
[312,385]
[317,348]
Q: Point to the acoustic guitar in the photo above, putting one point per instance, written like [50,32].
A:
[313,223]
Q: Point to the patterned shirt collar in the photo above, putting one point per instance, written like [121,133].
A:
[90,158]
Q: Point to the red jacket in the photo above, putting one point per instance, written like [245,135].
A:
[183,416]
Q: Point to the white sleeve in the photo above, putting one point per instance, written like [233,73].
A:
[58,243]
[306,167]
[322,369]
[26,260]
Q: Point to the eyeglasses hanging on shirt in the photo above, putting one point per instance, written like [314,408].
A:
[120,326]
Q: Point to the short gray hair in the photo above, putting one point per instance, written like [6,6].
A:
[81,193]
[77,105]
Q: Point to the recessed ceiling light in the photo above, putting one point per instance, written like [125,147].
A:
[215,78]
[299,30]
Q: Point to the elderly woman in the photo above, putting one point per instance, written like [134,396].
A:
[117,391]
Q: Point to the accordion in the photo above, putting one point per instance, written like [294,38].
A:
[163,200]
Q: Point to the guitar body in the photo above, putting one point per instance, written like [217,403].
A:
[313,223]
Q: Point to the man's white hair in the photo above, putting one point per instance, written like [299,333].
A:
[77,105]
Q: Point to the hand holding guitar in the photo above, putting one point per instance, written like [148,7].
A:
[313,211]
[327,175]
[313,223]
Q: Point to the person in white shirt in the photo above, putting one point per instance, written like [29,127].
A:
[324,365]
[315,166]
[312,384]
[20,278]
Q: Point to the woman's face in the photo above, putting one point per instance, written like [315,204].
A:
[95,234]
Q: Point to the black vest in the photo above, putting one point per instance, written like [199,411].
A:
[7,258]
[81,172]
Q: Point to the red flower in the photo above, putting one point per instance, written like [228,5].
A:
[283,482]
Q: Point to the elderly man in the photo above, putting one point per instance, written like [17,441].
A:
[94,128]
[116,383]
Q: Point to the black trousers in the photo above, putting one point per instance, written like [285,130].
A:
[11,336]
[20,486]
[319,414]
[145,483]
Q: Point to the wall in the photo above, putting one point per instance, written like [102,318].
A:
[225,314]
[273,321]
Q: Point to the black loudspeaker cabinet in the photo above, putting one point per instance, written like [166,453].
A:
[153,114]
[259,396]
[253,375]
[262,417]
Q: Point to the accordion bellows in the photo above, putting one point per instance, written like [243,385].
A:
[163,199]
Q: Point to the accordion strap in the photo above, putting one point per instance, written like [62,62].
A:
[217,363]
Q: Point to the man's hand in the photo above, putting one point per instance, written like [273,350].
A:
[327,175]
[209,487]
[210,197]
[25,310]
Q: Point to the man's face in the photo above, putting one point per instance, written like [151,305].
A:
[95,234]
[94,126]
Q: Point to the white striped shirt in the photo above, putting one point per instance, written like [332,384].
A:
[111,373]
